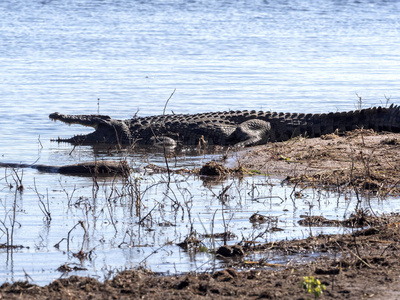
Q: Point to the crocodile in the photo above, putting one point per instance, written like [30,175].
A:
[92,168]
[236,128]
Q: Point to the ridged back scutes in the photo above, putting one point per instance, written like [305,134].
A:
[314,125]
[283,125]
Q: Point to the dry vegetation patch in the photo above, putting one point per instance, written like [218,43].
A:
[361,159]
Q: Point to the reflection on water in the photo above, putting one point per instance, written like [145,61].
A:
[103,225]
[309,56]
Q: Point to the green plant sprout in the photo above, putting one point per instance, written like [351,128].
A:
[313,286]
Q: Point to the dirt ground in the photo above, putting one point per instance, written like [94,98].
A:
[360,264]
[362,160]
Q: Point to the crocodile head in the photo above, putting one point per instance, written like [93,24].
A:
[107,130]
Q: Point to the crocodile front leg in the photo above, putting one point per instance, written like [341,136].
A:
[250,133]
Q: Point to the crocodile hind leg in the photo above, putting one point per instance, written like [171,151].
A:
[250,133]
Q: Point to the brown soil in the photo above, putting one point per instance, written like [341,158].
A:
[362,160]
[358,265]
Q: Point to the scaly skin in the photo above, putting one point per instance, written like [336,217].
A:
[238,128]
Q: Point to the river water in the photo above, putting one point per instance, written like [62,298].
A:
[125,57]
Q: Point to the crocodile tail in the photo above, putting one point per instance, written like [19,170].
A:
[381,118]
[376,118]
[393,122]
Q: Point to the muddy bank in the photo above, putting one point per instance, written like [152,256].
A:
[360,264]
[362,160]
[357,265]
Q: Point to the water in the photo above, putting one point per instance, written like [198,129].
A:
[309,56]
[122,230]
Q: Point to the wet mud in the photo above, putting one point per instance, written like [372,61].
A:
[357,265]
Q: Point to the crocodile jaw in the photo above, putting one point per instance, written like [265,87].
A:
[84,120]
[76,139]
[107,130]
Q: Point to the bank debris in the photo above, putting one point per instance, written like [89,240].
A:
[360,160]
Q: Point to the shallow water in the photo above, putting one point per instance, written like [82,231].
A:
[127,225]
[309,56]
